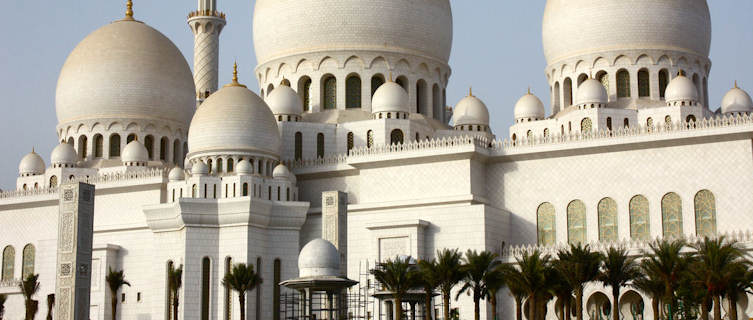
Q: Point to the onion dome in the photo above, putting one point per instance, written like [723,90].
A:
[281,172]
[618,25]
[285,101]
[681,91]
[176,174]
[200,169]
[126,70]
[135,154]
[244,167]
[736,100]
[529,108]
[31,164]
[234,120]
[319,258]
[590,92]
[398,27]
[390,97]
[63,156]
[470,111]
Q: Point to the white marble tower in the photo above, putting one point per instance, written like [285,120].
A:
[206,23]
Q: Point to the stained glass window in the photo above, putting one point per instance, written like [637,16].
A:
[114,145]
[53,181]
[586,125]
[353,92]
[396,137]
[607,220]
[650,123]
[545,223]
[705,214]
[28,261]
[329,93]
[663,82]
[9,260]
[623,84]
[305,92]
[671,215]
[668,121]
[576,222]
[644,86]
[639,218]
[98,142]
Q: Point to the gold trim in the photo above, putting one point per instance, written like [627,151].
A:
[129,11]
[235,82]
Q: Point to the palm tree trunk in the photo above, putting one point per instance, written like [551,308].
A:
[531,307]
[242,300]
[566,305]
[446,304]
[427,305]
[615,303]
[398,308]
[655,307]
[114,304]
[518,308]
[493,301]
[476,307]
[717,308]
[579,301]
[705,309]
[732,297]
[175,305]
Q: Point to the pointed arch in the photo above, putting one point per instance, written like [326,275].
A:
[9,262]
[705,213]
[607,211]
[27,261]
[623,84]
[576,222]
[546,228]
[671,213]
[353,91]
[329,92]
[304,91]
[640,227]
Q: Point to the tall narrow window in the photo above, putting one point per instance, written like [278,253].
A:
[396,136]
[163,149]
[115,145]
[586,126]
[230,165]
[82,147]
[697,83]
[557,96]
[640,228]
[706,92]
[194,191]
[130,138]
[9,261]
[609,123]
[626,123]
[168,294]
[276,290]
[421,105]
[607,220]
[623,84]
[353,92]
[209,165]
[649,122]
[320,145]
[219,165]
[376,81]
[228,292]
[298,146]
[53,181]
[329,92]
[567,92]
[582,78]
[149,144]
[205,283]
[436,102]
[176,152]
[369,139]
[244,190]
[705,214]
[350,141]
[671,215]
[644,84]
[545,224]
[304,91]
[403,82]
[663,82]
[576,222]
[258,290]
[604,79]
[27,268]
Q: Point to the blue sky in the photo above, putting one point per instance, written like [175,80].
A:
[497,49]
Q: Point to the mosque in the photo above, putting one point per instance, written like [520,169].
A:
[350,139]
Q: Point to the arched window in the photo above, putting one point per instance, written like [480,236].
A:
[9,261]
[298,146]
[70,141]
[82,147]
[663,82]
[176,152]
[697,83]
[529,135]
[219,165]
[546,133]
[705,214]
[557,96]
[668,121]
[329,92]
[607,220]
[640,227]
[206,265]
[626,123]
[130,138]
[149,144]
[53,181]
[403,82]
[609,123]
[545,224]
[115,145]
[228,291]
[276,289]
[209,165]
[603,77]
[623,84]
[514,138]
[320,145]
[586,126]
[436,103]
[270,88]
[644,84]
[353,92]
[244,189]
[671,215]
[230,165]
[690,118]
[396,136]
[582,78]
[278,193]
[350,141]
[421,105]
[185,153]
[567,92]
[27,268]
[376,81]
[194,191]
[304,91]
[369,139]
[269,193]
[163,149]
[705,92]
[650,122]
[576,222]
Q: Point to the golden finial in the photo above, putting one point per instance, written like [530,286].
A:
[129,11]
[390,76]
[736,85]
[470,91]
[235,82]
[529,90]
[32,150]
[285,82]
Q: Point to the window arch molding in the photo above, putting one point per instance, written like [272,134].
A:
[546,226]
[671,209]
[607,214]
[576,222]
[704,203]
[9,262]
[639,217]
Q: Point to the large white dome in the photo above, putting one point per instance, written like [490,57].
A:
[736,100]
[289,27]
[125,70]
[471,110]
[581,27]
[319,258]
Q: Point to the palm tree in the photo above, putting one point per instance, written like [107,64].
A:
[448,270]
[3,298]
[578,265]
[397,276]
[651,285]
[513,281]
[617,270]
[667,263]
[50,305]
[740,283]
[429,281]
[494,281]
[115,280]
[30,287]
[242,278]
[476,266]
[716,261]
[174,282]
[564,293]
[533,275]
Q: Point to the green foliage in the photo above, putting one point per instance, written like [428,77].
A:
[115,280]
[29,287]
[3,298]
[242,278]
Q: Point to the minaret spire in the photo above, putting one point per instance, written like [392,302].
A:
[129,11]
[206,24]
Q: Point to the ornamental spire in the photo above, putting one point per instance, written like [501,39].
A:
[129,11]
[470,91]
[736,85]
[235,82]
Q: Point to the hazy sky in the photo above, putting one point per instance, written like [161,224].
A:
[497,49]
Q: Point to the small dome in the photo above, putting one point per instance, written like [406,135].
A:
[736,100]
[319,258]
[681,89]
[244,167]
[63,154]
[176,174]
[281,171]
[284,100]
[31,164]
[390,97]
[134,151]
[529,106]
[591,91]
[199,169]
[471,110]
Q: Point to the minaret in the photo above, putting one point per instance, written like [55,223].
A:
[206,24]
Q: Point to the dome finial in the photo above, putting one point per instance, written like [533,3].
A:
[529,89]
[129,11]
[736,85]
[470,91]
[235,82]
[390,80]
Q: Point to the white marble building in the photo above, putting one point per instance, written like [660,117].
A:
[352,99]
